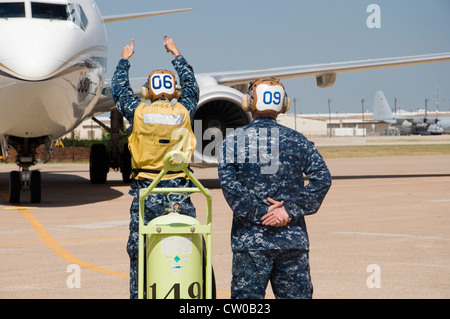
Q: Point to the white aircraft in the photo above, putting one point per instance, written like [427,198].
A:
[409,125]
[52,78]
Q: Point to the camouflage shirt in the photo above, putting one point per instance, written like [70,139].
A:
[126,102]
[266,159]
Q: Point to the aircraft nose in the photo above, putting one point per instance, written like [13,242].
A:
[33,67]
[34,50]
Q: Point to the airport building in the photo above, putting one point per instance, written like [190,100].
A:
[307,124]
[89,129]
[345,124]
[320,124]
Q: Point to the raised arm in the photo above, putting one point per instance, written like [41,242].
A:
[123,95]
[190,92]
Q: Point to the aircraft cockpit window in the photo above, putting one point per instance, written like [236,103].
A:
[50,11]
[78,16]
[12,10]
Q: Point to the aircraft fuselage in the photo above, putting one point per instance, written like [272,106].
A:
[51,70]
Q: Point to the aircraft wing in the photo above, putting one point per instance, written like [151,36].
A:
[122,17]
[325,74]
[106,102]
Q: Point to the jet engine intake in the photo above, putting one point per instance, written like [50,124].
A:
[218,111]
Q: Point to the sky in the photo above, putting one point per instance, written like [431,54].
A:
[254,34]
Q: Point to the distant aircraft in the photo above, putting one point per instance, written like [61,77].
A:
[409,125]
[52,78]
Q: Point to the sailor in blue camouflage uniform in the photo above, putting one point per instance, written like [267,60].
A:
[261,167]
[126,102]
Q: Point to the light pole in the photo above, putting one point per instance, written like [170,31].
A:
[362,109]
[329,114]
[395,106]
[426,107]
[295,113]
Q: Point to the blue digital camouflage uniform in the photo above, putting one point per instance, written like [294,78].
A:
[155,204]
[260,160]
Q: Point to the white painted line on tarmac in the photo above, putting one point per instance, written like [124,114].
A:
[391,235]
[99,225]
[438,201]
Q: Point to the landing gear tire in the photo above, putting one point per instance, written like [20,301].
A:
[14,187]
[126,164]
[35,187]
[98,164]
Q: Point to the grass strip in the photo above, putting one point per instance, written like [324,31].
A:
[362,151]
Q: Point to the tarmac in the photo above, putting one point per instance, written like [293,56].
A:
[383,232]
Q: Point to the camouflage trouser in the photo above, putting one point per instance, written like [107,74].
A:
[155,205]
[287,270]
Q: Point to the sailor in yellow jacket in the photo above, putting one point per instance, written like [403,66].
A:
[158,128]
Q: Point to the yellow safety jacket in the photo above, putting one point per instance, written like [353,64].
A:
[158,129]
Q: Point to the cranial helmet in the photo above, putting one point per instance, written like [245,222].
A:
[266,97]
[160,84]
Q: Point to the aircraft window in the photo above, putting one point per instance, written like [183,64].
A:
[49,11]
[78,16]
[12,10]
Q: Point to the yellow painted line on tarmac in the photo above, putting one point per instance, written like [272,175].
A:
[60,251]
[54,245]
[64,241]
[225,293]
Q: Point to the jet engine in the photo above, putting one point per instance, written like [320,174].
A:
[218,111]
[325,80]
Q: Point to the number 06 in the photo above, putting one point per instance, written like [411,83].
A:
[166,81]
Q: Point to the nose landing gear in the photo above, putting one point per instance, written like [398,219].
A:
[25,180]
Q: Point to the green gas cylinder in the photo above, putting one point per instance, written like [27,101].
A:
[174,261]
[171,246]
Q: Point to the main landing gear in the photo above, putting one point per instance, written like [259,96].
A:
[116,156]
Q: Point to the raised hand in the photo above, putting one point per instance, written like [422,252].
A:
[170,46]
[128,50]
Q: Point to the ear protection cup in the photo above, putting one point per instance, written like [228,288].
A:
[286,105]
[245,103]
[144,91]
[177,93]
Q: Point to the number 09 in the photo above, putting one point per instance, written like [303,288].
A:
[269,97]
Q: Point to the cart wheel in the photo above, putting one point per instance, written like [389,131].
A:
[213,278]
